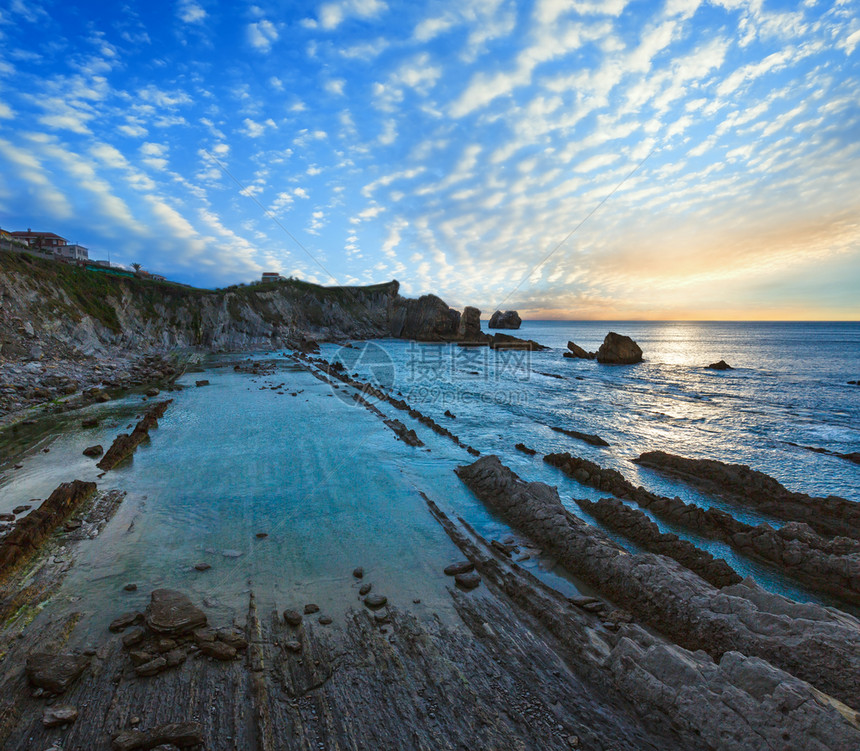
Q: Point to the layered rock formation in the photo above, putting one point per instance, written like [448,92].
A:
[125,444]
[510,319]
[31,531]
[818,645]
[825,564]
[737,482]
[635,526]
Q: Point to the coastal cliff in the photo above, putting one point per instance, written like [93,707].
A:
[61,310]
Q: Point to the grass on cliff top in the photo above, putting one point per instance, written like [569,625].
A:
[94,293]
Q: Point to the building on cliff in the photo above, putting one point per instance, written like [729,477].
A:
[40,240]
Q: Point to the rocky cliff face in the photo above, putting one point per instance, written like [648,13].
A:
[63,311]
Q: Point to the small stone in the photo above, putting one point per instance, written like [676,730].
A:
[130,587]
[468,580]
[311,608]
[164,645]
[365,588]
[293,617]
[153,667]
[417,601]
[175,657]
[96,450]
[375,601]
[140,657]
[234,638]
[124,621]
[202,382]
[59,714]
[204,635]
[325,620]
[21,509]
[293,646]
[463,567]
[218,649]
[358,573]
[134,721]
[202,566]
[90,423]
[133,637]
[262,535]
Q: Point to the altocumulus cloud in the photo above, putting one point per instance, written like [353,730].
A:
[712,147]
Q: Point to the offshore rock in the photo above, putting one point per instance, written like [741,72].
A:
[510,319]
[618,349]
[469,329]
[427,319]
[721,365]
[172,613]
[124,445]
[577,351]
[818,645]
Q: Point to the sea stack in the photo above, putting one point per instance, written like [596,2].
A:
[618,349]
[510,319]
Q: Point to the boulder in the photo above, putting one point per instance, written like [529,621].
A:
[375,601]
[172,613]
[96,450]
[618,349]
[721,365]
[468,580]
[461,567]
[293,617]
[510,319]
[55,672]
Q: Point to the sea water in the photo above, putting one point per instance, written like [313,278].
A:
[332,489]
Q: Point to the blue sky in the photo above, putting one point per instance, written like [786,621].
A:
[712,148]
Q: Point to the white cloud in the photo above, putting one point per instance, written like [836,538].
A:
[261,35]
[189,11]
[333,14]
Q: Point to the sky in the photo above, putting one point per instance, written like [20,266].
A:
[571,159]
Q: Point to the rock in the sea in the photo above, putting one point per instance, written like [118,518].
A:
[325,620]
[721,365]
[170,612]
[375,601]
[311,608]
[469,580]
[461,567]
[525,449]
[180,734]
[96,450]
[152,392]
[358,573]
[618,349]
[365,588]
[202,382]
[510,319]
[577,351]
[59,714]
[470,325]
[202,566]
[92,422]
[55,672]
[293,617]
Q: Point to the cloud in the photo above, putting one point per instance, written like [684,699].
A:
[189,11]
[261,35]
[333,14]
